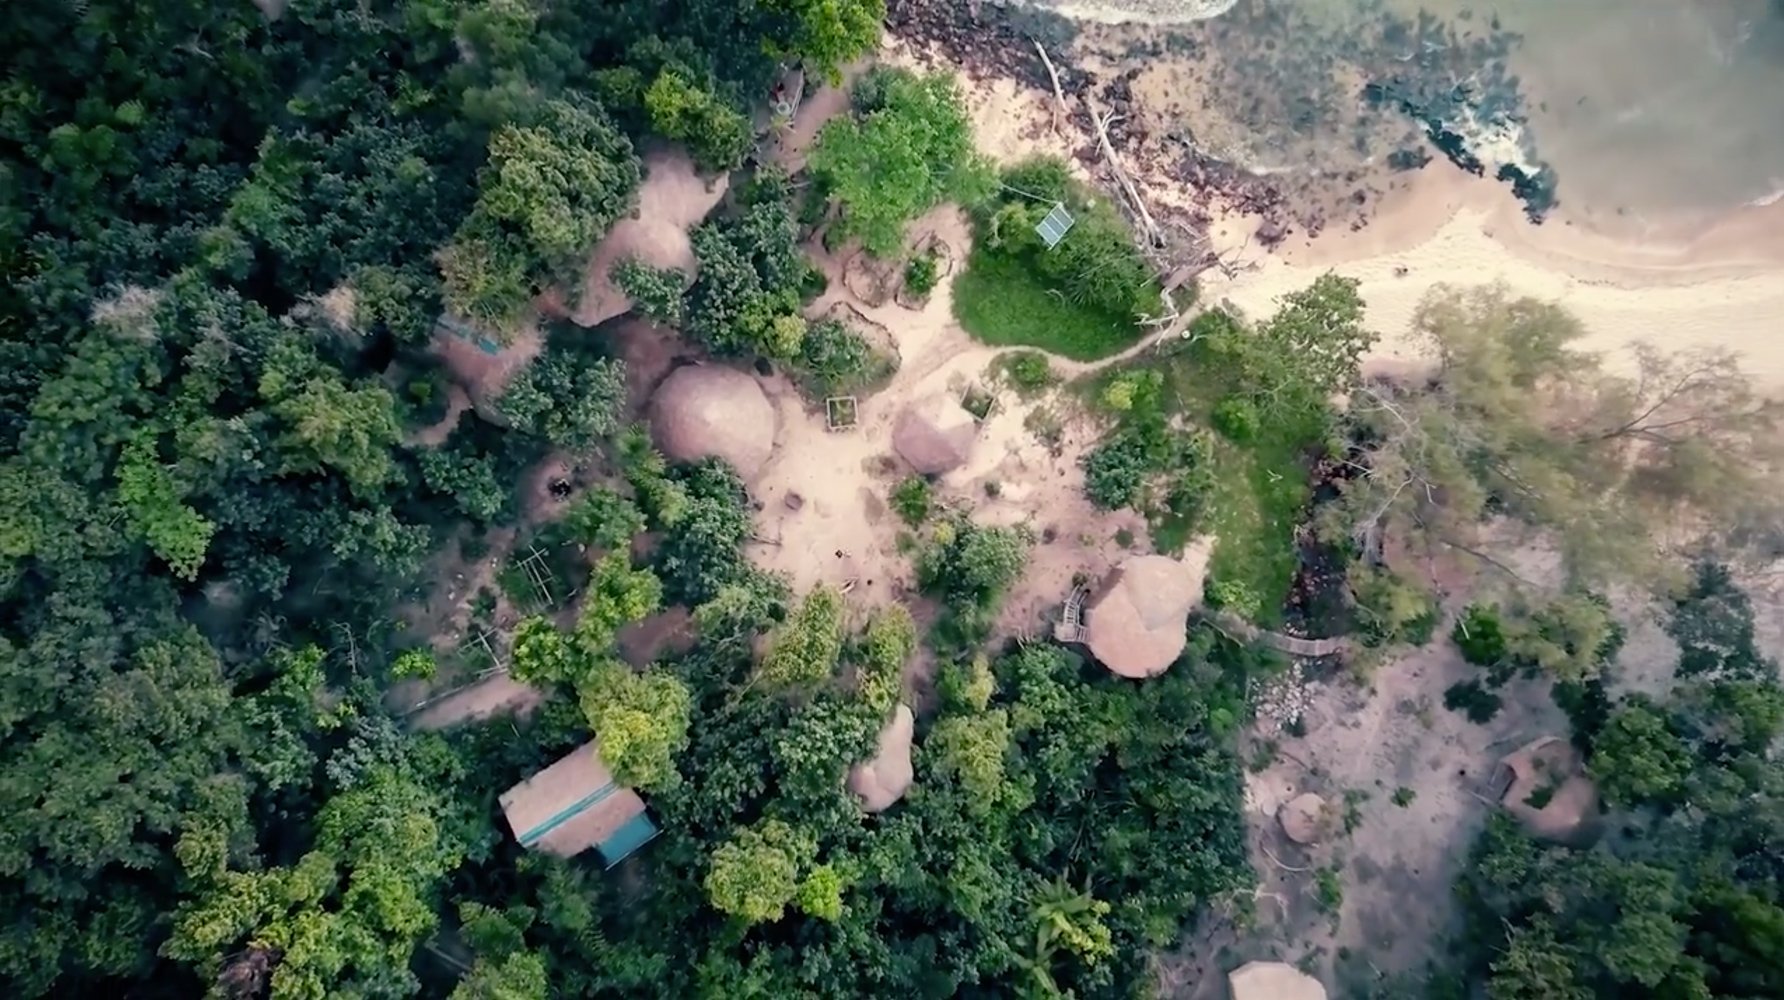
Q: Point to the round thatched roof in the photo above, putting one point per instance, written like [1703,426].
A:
[884,779]
[935,434]
[1135,623]
[1303,818]
[710,410]
[1273,981]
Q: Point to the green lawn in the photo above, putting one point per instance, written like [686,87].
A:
[1001,302]
[1260,488]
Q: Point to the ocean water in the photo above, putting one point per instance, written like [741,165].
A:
[1650,116]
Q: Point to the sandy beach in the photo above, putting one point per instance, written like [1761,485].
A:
[1721,288]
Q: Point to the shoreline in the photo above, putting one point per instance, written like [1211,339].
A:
[1717,286]
[1721,288]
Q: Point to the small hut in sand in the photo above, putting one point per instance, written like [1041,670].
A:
[575,804]
[703,411]
[885,778]
[1273,981]
[1136,622]
[935,434]
[1543,786]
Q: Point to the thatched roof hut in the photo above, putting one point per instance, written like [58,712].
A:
[1136,622]
[672,200]
[1273,981]
[1542,784]
[885,778]
[703,411]
[575,804]
[935,434]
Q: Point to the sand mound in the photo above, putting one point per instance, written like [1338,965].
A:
[884,779]
[703,411]
[935,434]
[1135,624]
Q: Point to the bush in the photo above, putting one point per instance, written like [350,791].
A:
[1028,371]
[912,499]
[1116,469]
[1480,636]
[1470,698]
[414,663]
[922,274]
[1235,596]
[1236,418]
[836,360]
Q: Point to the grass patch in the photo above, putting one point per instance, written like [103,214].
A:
[1002,302]
[1258,490]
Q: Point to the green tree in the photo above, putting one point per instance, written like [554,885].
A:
[804,650]
[328,424]
[1519,421]
[551,188]
[1637,758]
[972,751]
[908,149]
[539,654]
[151,499]
[617,596]
[346,917]
[824,36]
[755,875]
[568,398]
[656,292]
[641,720]
[603,519]
[718,135]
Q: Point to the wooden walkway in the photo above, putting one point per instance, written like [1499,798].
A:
[1293,645]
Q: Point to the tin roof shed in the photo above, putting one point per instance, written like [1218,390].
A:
[575,804]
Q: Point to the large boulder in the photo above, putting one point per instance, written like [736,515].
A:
[1303,818]
[710,411]
[935,434]
[885,778]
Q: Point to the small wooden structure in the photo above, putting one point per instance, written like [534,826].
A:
[1071,617]
[841,413]
[1055,225]
[575,804]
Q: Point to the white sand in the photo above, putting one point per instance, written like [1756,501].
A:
[1723,288]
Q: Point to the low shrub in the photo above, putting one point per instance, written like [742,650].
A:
[1236,418]
[921,274]
[912,499]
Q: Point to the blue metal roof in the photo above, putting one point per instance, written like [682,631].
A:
[635,833]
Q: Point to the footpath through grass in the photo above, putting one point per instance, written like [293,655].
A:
[1001,301]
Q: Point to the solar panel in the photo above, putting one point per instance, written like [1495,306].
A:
[1054,227]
